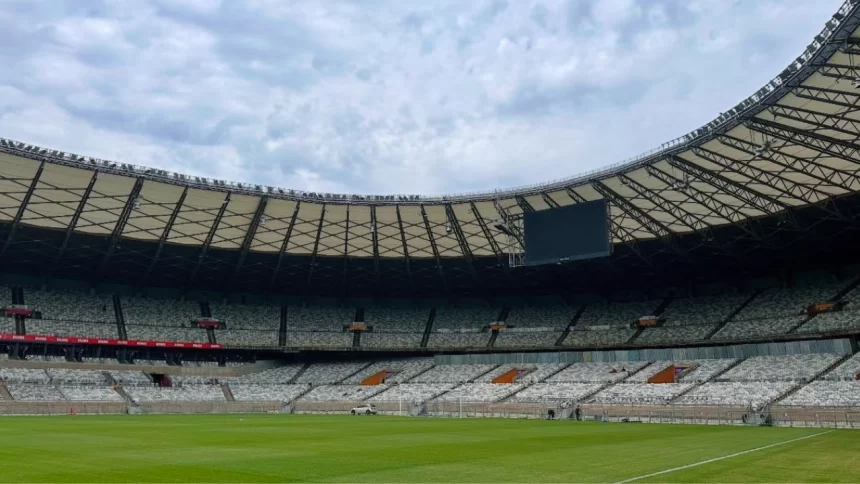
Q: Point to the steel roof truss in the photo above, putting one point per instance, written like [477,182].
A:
[832,122]
[166,232]
[120,224]
[454,225]
[843,99]
[251,233]
[21,209]
[375,240]
[838,148]
[74,220]
[316,244]
[403,241]
[211,235]
[433,244]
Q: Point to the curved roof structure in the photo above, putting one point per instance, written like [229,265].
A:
[792,144]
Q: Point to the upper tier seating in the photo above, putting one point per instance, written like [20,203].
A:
[556,317]
[189,393]
[452,373]
[399,320]
[279,375]
[534,372]
[589,372]
[739,393]
[616,314]
[641,393]
[346,393]
[702,309]
[753,328]
[458,340]
[833,321]
[71,305]
[66,328]
[164,333]
[320,318]
[160,312]
[266,393]
[674,334]
[322,373]
[318,339]
[402,370]
[390,340]
[826,394]
[593,338]
[480,392]
[780,368]
[241,316]
[412,392]
[246,337]
[513,338]
[468,318]
[556,392]
[786,302]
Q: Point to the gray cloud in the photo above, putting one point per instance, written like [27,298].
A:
[384,96]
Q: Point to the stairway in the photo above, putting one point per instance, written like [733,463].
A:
[282,327]
[363,367]
[794,389]
[125,396]
[228,394]
[419,374]
[428,328]
[660,308]
[570,324]
[563,367]
[4,392]
[494,368]
[638,332]
[210,335]
[734,313]
[299,373]
[119,316]
[712,378]
[493,336]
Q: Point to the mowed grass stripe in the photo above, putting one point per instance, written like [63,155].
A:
[278,448]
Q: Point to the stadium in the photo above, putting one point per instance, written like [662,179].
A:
[713,282]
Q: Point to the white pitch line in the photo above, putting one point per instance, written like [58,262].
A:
[697,464]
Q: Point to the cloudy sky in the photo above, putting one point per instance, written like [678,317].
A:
[384,96]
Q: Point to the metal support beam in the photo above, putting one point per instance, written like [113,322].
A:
[22,209]
[316,245]
[166,233]
[645,220]
[820,121]
[524,204]
[454,225]
[250,234]
[848,100]
[74,221]
[375,240]
[121,222]
[284,244]
[494,245]
[842,149]
[753,198]
[211,235]
[345,270]
[403,241]
[719,209]
[433,246]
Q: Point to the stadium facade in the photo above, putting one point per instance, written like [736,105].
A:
[742,231]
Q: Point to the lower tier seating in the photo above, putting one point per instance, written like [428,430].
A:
[555,392]
[412,392]
[190,393]
[826,394]
[266,393]
[641,393]
[480,392]
[736,393]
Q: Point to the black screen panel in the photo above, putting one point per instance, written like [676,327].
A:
[579,231]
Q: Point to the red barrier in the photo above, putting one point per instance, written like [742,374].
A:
[106,341]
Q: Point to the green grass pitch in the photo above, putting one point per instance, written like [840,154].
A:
[279,448]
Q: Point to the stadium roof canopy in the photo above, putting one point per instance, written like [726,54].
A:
[791,147]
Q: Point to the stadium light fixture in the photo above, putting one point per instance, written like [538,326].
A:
[763,149]
[856,83]
[136,203]
[264,220]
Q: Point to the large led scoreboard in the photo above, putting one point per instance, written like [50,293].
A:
[573,232]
